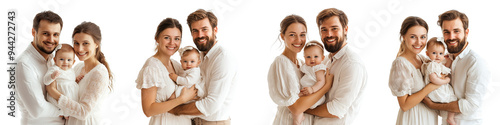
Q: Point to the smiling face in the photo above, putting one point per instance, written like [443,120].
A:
[190,60]
[454,35]
[47,37]
[295,37]
[169,41]
[332,34]
[415,39]
[435,52]
[84,46]
[64,60]
[313,55]
[203,34]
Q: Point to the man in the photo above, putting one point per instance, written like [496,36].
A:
[343,99]
[32,66]
[217,70]
[469,76]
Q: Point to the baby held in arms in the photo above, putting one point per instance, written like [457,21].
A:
[190,60]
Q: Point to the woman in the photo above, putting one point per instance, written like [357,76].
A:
[284,75]
[94,78]
[406,81]
[157,89]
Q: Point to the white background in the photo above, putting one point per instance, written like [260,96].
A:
[251,29]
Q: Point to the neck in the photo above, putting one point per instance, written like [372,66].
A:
[205,52]
[44,55]
[290,55]
[164,58]
[465,46]
[90,64]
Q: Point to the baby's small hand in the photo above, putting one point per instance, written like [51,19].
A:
[307,90]
[55,74]
[78,78]
[173,76]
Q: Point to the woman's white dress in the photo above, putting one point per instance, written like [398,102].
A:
[406,79]
[93,90]
[154,73]
[309,79]
[284,88]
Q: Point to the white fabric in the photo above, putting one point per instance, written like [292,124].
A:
[470,78]
[284,87]
[218,72]
[188,78]
[405,79]
[443,94]
[65,84]
[155,74]
[349,82]
[93,90]
[309,79]
[30,90]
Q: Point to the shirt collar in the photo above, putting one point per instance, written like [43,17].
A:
[37,55]
[465,52]
[339,54]
[211,51]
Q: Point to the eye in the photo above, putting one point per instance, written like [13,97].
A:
[302,34]
[204,29]
[308,56]
[69,60]
[335,29]
[192,61]
[177,39]
[61,59]
[433,52]
[412,37]
[292,35]
[56,34]
[323,29]
[423,37]
[167,37]
[316,56]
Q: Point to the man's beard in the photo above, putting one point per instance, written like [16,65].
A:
[336,47]
[209,44]
[41,48]
[458,48]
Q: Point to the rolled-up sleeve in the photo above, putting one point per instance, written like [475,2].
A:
[478,77]
[218,85]
[348,89]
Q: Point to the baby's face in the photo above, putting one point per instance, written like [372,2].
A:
[313,56]
[191,60]
[65,60]
[435,53]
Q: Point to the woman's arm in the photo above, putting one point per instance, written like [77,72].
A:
[151,108]
[407,102]
[304,102]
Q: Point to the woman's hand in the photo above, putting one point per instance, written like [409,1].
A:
[188,94]
[173,76]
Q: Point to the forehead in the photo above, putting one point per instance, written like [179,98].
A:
[436,47]
[331,21]
[417,30]
[296,27]
[452,24]
[47,26]
[201,23]
[65,54]
[190,55]
[82,37]
[171,32]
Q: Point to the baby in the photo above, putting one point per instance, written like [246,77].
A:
[433,71]
[62,72]
[314,74]
[190,59]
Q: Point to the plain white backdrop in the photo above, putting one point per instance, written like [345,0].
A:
[251,29]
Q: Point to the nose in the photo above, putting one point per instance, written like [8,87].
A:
[330,33]
[200,34]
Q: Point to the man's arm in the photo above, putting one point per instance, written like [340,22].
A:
[30,92]
[350,84]
[186,109]
[450,107]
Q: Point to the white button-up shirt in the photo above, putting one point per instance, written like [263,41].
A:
[30,90]
[469,79]
[218,71]
[350,77]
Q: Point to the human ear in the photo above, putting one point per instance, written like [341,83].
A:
[33,32]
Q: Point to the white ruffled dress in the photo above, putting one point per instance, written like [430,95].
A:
[443,94]
[309,79]
[155,74]
[65,84]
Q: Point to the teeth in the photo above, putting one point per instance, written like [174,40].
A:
[296,45]
[81,53]
[171,48]
[331,40]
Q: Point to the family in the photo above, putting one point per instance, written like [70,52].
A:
[452,86]
[302,91]
[45,71]
[197,90]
